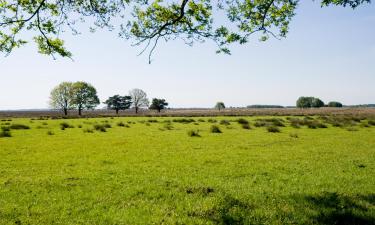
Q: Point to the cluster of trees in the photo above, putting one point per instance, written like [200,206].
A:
[81,95]
[312,102]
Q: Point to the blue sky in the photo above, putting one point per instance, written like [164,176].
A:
[329,53]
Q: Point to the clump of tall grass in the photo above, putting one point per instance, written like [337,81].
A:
[183,120]
[193,133]
[242,121]
[273,129]
[215,129]
[88,130]
[225,122]
[19,127]
[122,124]
[101,127]
[65,125]
[201,120]
[277,122]
[5,132]
[50,132]
[212,120]
[246,126]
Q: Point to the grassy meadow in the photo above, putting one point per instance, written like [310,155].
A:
[193,170]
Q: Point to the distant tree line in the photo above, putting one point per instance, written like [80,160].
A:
[313,102]
[81,95]
[263,106]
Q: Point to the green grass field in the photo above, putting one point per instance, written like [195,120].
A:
[152,172]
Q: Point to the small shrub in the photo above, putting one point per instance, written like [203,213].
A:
[19,127]
[273,129]
[246,126]
[183,120]
[193,133]
[212,120]
[121,124]
[65,125]
[88,130]
[242,121]
[100,127]
[50,132]
[225,122]
[215,129]
[5,132]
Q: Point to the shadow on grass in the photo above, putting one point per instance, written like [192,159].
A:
[333,208]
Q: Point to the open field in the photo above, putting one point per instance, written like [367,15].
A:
[148,170]
[198,112]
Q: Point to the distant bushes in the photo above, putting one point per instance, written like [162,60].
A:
[335,104]
[264,106]
[309,102]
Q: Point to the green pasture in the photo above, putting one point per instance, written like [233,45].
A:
[145,170]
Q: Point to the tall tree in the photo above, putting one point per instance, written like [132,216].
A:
[118,102]
[317,103]
[148,22]
[139,99]
[219,106]
[335,104]
[61,97]
[84,96]
[158,104]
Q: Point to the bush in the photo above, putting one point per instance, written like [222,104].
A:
[273,129]
[65,125]
[5,132]
[121,124]
[88,130]
[183,120]
[225,122]
[335,104]
[242,121]
[246,126]
[193,133]
[215,129]
[19,127]
[211,120]
[100,127]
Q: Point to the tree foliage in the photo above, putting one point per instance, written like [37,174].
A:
[118,102]
[84,96]
[309,102]
[148,22]
[61,97]
[139,99]
[158,104]
[335,104]
[220,105]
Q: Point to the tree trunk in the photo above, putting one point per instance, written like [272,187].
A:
[116,111]
[136,110]
[159,110]
[80,111]
[65,111]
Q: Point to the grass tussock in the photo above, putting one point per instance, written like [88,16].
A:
[215,129]
[50,133]
[19,127]
[5,132]
[183,120]
[246,126]
[65,125]
[102,127]
[273,129]
[225,122]
[193,133]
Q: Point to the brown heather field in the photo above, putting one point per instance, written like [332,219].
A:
[352,111]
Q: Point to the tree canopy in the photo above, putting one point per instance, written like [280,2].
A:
[148,22]
[84,96]
[139,99]
[118,102]
[158,104]
[219,106]
[61,97]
